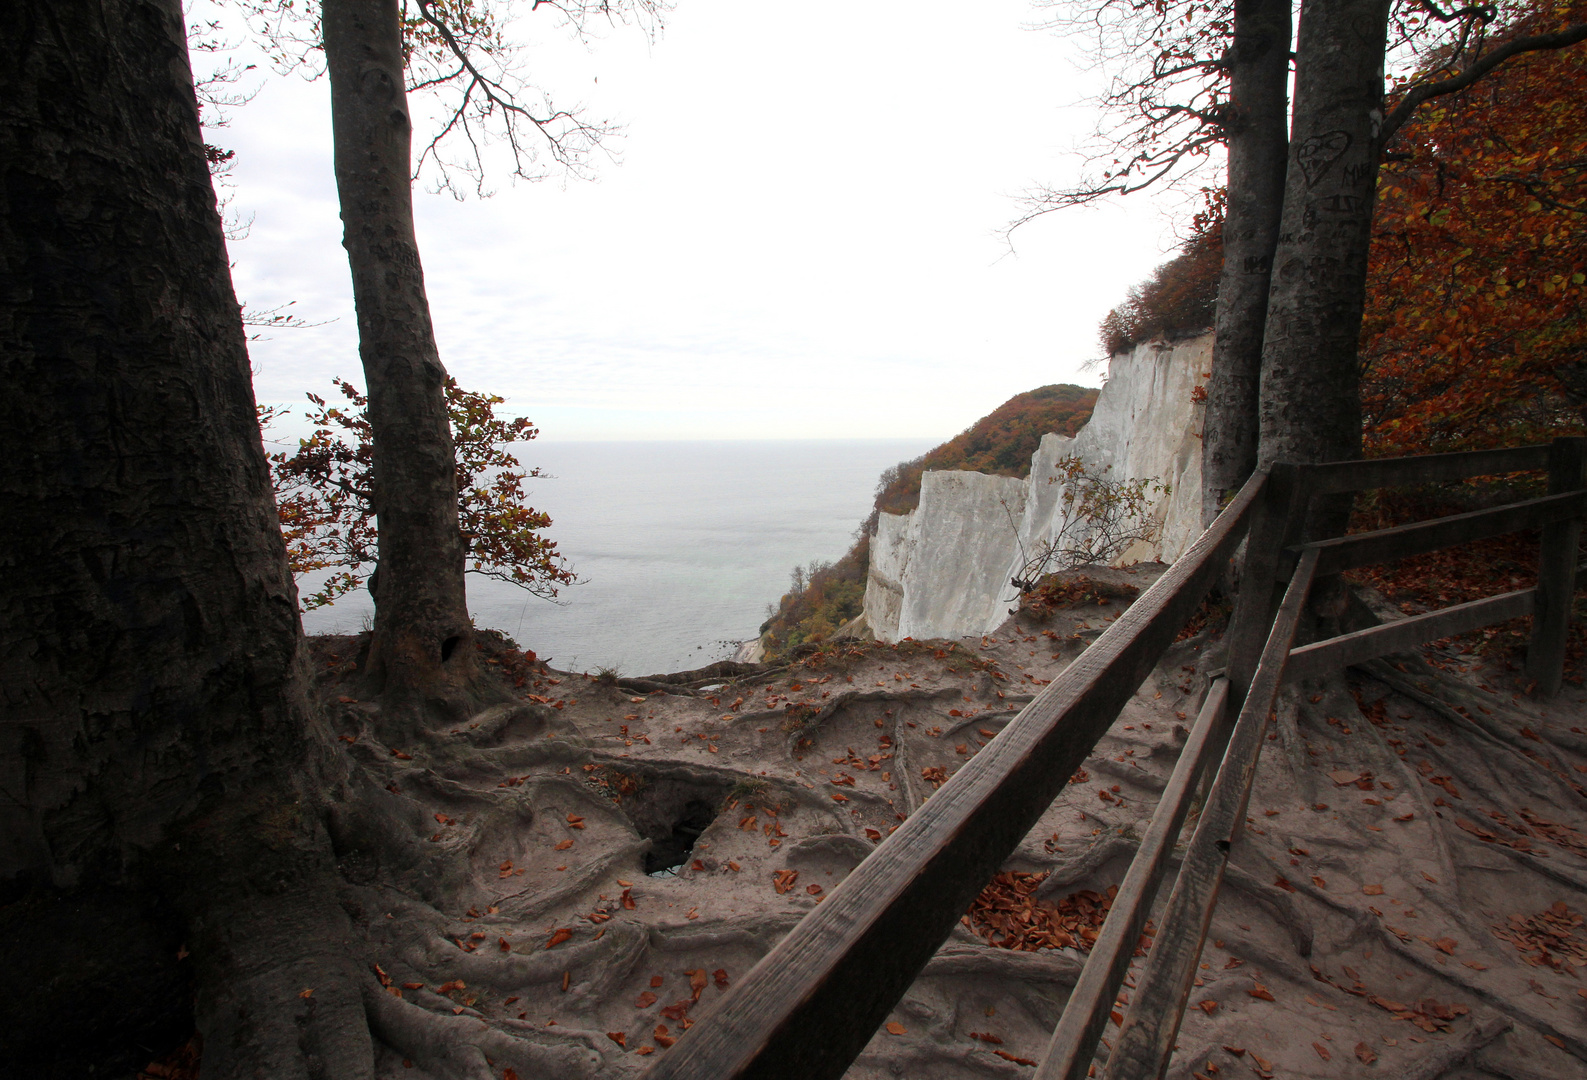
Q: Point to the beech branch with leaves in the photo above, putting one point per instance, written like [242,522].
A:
[324,496]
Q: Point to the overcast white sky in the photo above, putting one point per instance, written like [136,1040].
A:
[799,241]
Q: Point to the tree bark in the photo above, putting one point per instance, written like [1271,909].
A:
[1310,399]
[422,653]
[157,753]
[1258,146]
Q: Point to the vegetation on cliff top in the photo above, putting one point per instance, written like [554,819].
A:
[1000,443]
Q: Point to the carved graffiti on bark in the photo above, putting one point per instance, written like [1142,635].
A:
[1317,152]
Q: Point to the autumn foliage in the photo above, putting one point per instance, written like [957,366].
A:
[1475,330]
[324,497]
[1000,443]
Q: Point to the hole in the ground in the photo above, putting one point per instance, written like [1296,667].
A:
[447,646]
[666,855]
[671,812]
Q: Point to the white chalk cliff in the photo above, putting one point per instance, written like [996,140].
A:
[943,569]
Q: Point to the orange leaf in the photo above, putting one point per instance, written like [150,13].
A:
[697,980]
[1322,1051]
[1365,1053]
[895,1028]
[646,1000]
[1010,1057]
[565,844]
[1372,890]
[561,935]
[618,1037]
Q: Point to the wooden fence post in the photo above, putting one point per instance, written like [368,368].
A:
[1556,572]
[1279,518]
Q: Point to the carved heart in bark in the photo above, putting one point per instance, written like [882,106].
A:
[1317,152]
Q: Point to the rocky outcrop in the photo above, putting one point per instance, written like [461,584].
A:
[944,569]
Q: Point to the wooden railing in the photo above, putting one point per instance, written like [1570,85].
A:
[814,1001]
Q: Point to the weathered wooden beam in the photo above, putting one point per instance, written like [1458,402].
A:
[813,1002]
[1334,476]
[1276,524]
[1146,1038]
[1321,657]
[1402,541]
[1074,1041]
[1556,572]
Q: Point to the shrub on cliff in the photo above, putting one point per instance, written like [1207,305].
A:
[820,599]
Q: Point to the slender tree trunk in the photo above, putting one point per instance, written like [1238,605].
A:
[1310,399]
[422,651]
[157,754]
[1258,148]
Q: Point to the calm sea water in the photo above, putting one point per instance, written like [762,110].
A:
[681,544]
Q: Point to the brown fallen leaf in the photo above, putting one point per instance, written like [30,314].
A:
[1207,1006]
[656,981]
[696,982]
[628,900]
[1005,1055]
[645,1001]
[575,822]
[1319,882]
[1259,991]
[719,976]
[1365,1053]
[733,866]
[783,880]
[618,1037]
[813,890]
[1322,1051]
[306,993]
[1445,945]
[561,935]
[895,1028]
[565,844]
[1372,890]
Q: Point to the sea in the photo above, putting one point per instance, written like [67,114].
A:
[680,546]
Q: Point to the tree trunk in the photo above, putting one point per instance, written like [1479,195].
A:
[422,652]
[156,748]
[1310,399]
[1258,147]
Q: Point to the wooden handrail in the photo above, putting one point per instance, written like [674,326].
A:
[1085,1015]
[1336,476]
[1334,653]
[1151,1023]
[813,1002]
[1402,541]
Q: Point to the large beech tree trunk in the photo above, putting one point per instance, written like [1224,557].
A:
[1310,400]
[1258,145]
[157,754]
[422,652]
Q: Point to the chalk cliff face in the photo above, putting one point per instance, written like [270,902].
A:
[944,569]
